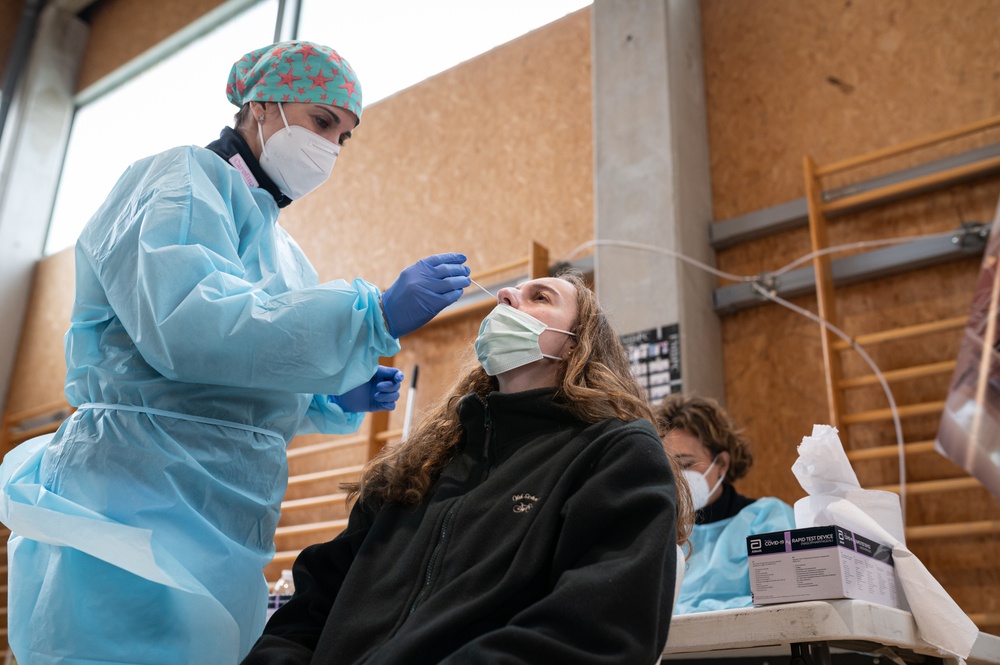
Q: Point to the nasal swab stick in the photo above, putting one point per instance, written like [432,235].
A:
[492,295]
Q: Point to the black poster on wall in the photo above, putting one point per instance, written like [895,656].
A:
[655,355]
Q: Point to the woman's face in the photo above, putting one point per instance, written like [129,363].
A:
[332,123]
[553,302]
[691,454]
[550,300]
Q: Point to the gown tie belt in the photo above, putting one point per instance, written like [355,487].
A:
[180,416]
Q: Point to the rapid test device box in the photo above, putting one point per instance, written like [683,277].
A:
[820,563]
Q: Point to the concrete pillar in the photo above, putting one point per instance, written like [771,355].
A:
[653,181]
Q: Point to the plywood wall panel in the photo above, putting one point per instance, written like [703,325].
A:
[963,505]
[775,376]
[479,159]
[40,368]
[834,79]
[124,29]
[771,354]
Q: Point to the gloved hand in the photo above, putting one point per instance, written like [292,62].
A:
[378,394]
[423,290]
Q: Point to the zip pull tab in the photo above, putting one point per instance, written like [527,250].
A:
[492,447]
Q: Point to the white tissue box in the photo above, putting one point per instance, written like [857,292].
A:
[820,563]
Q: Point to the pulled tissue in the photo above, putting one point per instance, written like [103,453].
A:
[836,497]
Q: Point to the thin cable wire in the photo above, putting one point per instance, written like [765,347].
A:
[855,245]
[659,250]
[755,285]
[806,258]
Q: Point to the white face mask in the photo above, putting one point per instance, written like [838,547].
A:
[698,485]
[508,338]
[296,159]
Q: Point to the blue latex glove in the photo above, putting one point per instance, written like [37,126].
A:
[423,290]
[378,394]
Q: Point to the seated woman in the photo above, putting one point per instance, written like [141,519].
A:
[521,521]
[713,454]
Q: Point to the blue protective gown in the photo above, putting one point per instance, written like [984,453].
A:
[717,575]
[200,344]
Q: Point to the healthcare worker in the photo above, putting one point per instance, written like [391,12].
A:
[523,521]
[200,343]
[712,453]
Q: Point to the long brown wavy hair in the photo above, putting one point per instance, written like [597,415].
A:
[595,383]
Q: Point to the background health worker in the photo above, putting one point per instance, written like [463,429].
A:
[521,522]
[712,453]
[200,343]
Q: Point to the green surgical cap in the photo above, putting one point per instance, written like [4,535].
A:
[295,72]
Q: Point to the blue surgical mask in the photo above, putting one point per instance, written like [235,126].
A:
[508,338]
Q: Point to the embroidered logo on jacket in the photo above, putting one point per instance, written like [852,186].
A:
[524,502]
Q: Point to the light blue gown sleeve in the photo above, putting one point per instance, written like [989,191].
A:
[211,290]
[717,576]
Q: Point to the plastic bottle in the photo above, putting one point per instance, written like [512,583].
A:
[286,585]
[281,593]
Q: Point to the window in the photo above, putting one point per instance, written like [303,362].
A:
[179,101]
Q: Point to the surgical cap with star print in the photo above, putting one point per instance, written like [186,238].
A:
[295,72]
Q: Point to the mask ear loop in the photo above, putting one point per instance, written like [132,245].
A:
[281,109]
[260,137]
[260,131]
[565,332]
[722,477]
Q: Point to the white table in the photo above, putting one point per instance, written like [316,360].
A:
[809,630]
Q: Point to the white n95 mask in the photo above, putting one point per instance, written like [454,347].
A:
[508,338]
[698,485]
[296,159]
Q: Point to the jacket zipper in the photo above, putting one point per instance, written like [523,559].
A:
[434,555]
[490,457]
[490,447]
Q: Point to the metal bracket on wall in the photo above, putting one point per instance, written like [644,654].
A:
[969,240]
[794,214]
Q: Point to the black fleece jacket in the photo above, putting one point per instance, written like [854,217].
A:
[545,540]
